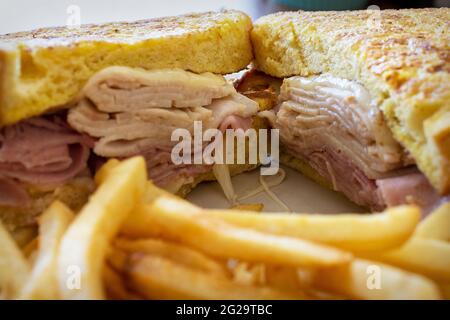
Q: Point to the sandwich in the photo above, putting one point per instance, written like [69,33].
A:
[364,107]
[72,98]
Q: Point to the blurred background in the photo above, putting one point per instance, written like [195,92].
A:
[21,15]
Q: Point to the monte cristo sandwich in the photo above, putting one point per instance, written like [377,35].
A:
[365,104]
[71,98]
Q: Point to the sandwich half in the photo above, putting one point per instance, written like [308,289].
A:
[365,104]
[71,98]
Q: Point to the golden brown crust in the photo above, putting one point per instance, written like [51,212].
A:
[401,56]
[47,67]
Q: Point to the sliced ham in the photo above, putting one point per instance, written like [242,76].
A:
[344,176]
[412,188]
[163,170]
[406,186]
[12,193]
[71,160]
[134,112]
[40,152]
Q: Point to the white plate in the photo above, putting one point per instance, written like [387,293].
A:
[298,192]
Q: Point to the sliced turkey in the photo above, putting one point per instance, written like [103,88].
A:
[116,89]
[134,112]
[334,125]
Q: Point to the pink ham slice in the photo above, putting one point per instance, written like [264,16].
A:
[41,152]
[342,174]
[12,193]
[409,188]
[405,186]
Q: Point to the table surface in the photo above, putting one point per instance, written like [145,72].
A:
[299,193]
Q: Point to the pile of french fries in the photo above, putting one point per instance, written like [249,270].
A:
[133,240]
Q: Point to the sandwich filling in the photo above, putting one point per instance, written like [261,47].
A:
[40,153]
[336,127]
[134,112]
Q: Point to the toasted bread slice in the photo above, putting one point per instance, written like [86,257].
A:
[400,56]
[74,193]
[46,68]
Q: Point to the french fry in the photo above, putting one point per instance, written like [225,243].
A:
[249,207]
[31,247]
[85,244]
[283,278]
[117,259]
[14,268]
[436,225]
[324,295]
[160,278]
[22,236]
[445,290]
[103,173]
[363,279]
[179,253]
[425,256]
[171,249]
[115,286]
[354,232]
[248,274]
[43,282]
[152,193]
[166,216]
